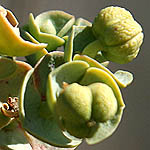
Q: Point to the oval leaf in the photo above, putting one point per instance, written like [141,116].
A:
[124,77]
[12,79]
[120,80]
[16,45]
[37,119]
[67,73]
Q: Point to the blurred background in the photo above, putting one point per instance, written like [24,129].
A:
[134,130]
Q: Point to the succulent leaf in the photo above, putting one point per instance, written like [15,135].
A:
[124,77]
[61,22]
[7,67]
[12,134]
[40,145]
[79,38]
[12,74]
[16,45]
[66,73]
[30,97]
[35,57]
[45,65]
[68,51]
[11,78]
[4,120]
[123,80]
[49,27]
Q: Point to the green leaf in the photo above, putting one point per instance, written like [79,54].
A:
[33,58]
[39,145]
[59,20]
[12,135]
[9,23]
[104,130]
[124,77]
[66,28]
[67,73]
[12,74]
[49,27]
[68,51]
[48,63]
[52,40]
[79,37]
[82,22]
[37,119]
[122,81]
[94,74]
[7,67]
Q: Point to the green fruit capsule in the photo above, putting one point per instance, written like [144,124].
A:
[119,36]
[77,130]
[74,103]
[104,106]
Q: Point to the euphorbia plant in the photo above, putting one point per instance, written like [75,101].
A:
[58,98]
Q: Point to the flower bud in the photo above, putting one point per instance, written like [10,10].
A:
[76,129]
